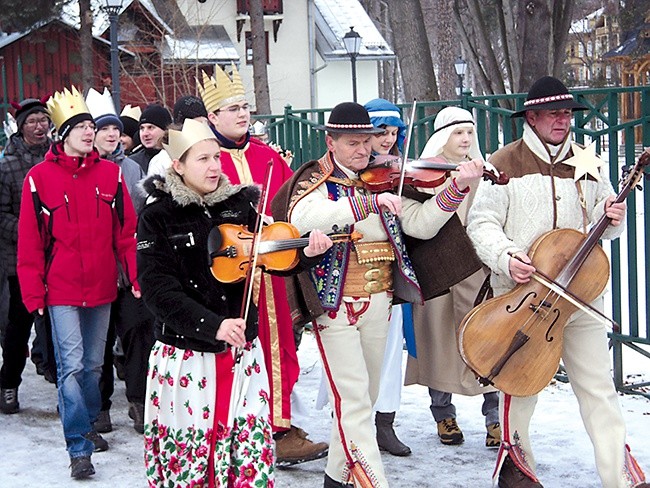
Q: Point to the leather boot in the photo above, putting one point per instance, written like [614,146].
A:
[293,447]
[386,438]
[511,476]
[330,483]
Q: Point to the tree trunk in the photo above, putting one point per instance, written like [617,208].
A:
[414,56]
[512,43]
[86,41]
[443,43]
[260,75]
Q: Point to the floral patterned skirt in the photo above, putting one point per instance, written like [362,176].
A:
[191,436]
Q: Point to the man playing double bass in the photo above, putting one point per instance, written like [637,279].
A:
[549,190]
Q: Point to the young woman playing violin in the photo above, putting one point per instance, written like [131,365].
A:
[197,322]
[438,364]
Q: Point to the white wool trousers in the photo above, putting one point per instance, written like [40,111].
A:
[352,342]
[586,358]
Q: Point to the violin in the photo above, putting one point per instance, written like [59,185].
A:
[230,248]
[384,173]
[514,341]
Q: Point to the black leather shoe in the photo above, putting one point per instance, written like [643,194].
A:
[81,467]
[330,483]
[511,476]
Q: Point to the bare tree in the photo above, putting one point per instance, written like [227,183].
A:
[86,41]
[443,43]
[414,56]
[260,74]
[512,43]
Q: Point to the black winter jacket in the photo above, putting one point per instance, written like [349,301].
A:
[173,263]
[18,159]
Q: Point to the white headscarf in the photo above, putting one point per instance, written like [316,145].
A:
[448,120]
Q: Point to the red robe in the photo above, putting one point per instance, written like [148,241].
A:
[275,330]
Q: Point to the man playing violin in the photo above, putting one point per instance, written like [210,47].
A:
[349,294]
[503,222]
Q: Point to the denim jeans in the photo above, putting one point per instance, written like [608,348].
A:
[79,336]
[442,408]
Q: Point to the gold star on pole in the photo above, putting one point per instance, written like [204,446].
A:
[585,161]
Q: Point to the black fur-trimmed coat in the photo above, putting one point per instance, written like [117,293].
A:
[173,263]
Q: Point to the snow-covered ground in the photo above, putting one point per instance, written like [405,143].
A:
[32,450]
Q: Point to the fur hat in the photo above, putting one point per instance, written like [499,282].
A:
[548,93]
[27,107]
[349,118]
[157,115]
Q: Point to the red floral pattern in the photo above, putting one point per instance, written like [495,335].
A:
[177,441]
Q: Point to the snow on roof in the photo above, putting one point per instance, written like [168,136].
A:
[582,26]
[334,18]
[208,44]
[101,22]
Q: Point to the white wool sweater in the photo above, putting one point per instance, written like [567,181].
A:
[511,217]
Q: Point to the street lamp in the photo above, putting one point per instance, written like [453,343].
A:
[461,67]
[352,41]
[112,8]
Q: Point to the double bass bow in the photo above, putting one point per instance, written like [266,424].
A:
[514,341]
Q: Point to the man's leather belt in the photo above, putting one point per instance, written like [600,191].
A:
[369,270]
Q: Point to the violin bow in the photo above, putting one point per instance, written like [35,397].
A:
[407,147]
[257,237]
[555,287]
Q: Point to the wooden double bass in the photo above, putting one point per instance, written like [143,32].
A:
[514,341]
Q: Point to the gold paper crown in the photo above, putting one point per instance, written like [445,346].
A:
[132,112]
[62,106]
[219,90]
[181,140]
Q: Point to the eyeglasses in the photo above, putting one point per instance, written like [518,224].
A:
[236,108]
[82,126]
[35,122]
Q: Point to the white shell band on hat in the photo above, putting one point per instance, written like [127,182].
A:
[350,126]
[552,98]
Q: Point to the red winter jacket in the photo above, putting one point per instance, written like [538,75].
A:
[76,217]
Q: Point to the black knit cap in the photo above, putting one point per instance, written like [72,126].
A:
[548,93]
[350,118]
[189,107]
[131,126]
[27,107]
[64,130]
[157,115]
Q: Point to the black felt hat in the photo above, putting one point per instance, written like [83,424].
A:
[350,118]
[549,93]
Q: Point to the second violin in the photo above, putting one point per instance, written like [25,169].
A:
[385,171]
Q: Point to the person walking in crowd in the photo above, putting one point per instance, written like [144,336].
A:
[387,116]
[153,123]
[544,194]
[25,149]
[76,219]
[134,325]
[227,441]
[130,118]
[186,107]
[437,363]
[244,161]
[349,293]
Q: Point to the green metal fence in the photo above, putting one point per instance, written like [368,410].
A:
[622,141]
